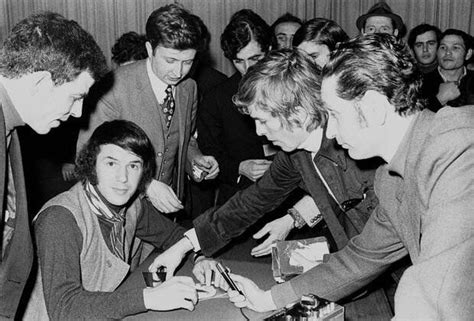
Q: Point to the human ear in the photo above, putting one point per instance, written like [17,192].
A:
[395,32]
[149,49]
[468,54]
[374,108]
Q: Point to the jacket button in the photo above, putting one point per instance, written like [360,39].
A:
[160,154]
[108,263]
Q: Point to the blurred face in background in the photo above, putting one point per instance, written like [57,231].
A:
[248,56]
[319,52]
[379,24]
[425,48]
[284,33]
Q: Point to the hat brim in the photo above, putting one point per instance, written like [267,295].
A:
[360,22]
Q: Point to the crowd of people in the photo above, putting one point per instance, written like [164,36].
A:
[368,141]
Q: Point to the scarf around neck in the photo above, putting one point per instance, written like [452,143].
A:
[115,221]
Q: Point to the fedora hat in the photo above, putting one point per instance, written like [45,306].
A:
[381,9]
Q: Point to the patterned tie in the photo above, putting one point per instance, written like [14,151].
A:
[168,105]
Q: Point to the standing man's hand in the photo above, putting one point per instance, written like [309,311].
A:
[277,230]
[68,171]
[253,169]
[254,298]
[163,197]
[172,257]
[208,164]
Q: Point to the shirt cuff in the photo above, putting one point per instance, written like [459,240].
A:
[192,237]
[308,211]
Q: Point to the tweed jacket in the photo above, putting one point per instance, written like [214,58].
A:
[15,267]
[426,202]
[127,94]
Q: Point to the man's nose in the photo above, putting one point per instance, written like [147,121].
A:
[121,174]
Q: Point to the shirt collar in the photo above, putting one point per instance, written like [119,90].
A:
[399,159]
[464,72]
[157,85]
[312,143]
[12,118]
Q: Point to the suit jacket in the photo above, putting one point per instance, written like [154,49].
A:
[426,196]
[127,94]
[15,267]
[228,135]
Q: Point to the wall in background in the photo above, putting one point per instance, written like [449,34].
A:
[106,20]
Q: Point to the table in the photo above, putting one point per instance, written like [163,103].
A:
[214,309]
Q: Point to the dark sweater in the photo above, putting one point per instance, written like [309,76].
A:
[59,256]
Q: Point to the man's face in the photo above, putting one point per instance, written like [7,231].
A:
[248,56]
[284,33]
[379,24]
[425,47]
[273,129]
[50,104]
[346,124]
[452,52]
[170,65]
[118,173]
[319,53]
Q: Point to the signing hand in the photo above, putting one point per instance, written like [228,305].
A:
[209,164]
[68,172]
[277,230]
[163,197]
[254,298]
[253,169]
[448,91]
[177,292]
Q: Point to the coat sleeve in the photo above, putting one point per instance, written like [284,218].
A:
[192,149]
[440,283]
[364,258]
[218,226]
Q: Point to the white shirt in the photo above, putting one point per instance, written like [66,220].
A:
[157,85]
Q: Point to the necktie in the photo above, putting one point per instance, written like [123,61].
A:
[168,105]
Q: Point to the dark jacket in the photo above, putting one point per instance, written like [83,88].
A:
[16,265]
[228,135]
[431,82]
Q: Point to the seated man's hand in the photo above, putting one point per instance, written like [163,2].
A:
[254,298]
[163,197]
[277,230]
[253,169]
[170,258]
[203,270]
[177,292]
[208,164]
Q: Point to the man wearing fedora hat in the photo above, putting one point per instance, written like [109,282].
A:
[381,19]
